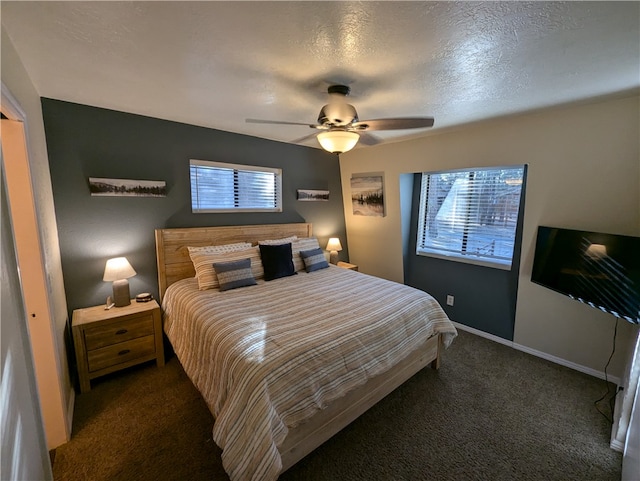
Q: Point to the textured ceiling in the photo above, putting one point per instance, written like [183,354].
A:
[214,64]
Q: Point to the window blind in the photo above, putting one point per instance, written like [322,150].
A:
[471,214]
[221,187]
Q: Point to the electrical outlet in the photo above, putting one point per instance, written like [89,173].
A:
[450,300]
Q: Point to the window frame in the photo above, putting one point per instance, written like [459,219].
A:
[456,256]
[235,168]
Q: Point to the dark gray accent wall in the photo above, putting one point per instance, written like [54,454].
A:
[84,141]
[485,298]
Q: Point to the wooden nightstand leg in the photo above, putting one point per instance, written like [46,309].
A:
[83,368]
[157,320]
[85,384]
[83,375]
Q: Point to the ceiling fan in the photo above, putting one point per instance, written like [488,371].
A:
[341,127]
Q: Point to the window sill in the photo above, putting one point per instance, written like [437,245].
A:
[467,260]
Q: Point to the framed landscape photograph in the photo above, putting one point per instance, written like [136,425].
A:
[367,194]
[127,187]
[313,195]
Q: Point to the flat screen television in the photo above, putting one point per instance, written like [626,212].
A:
[601,270]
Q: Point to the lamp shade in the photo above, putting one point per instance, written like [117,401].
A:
[334,244]
[118,268]
[596,251]
[338,141]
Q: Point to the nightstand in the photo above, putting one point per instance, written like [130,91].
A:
[109,340]
[346,265]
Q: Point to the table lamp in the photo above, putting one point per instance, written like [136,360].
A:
[333,246]
[119,270]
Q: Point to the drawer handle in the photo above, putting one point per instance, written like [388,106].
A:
[124,351]
[121,331]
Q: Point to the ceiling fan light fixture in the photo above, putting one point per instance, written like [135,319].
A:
[338,141]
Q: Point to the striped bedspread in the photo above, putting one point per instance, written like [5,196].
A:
[267,357]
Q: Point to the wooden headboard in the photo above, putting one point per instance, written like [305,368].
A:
[172,254]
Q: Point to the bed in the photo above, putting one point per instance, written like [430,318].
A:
[285,364]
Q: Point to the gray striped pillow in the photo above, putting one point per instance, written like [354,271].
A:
[234,274]
[314,260]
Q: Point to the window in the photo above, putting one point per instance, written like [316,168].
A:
[470,215]
[219,187]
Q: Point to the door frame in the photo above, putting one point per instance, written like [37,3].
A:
[46,353]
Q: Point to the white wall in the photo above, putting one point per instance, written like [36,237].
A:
[16,79]
[584,173]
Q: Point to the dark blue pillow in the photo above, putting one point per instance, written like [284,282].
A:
[277,261]
[314,260]
[234,274]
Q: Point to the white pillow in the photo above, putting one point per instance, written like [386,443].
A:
[303,244]
[240,246]
[203,264]
[276,242]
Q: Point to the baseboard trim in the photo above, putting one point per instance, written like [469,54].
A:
[617,446]
[540,354]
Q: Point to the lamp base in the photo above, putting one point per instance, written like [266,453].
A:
[121,295]
[333,257]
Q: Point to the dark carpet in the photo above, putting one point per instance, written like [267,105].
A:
[490,413]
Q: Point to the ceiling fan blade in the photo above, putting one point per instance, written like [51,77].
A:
[394,124]
[258,121]
[304,139]
[368,139]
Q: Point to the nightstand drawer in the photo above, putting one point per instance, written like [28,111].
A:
[119,331]
[121,352]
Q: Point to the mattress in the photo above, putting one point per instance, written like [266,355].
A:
[268,357]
